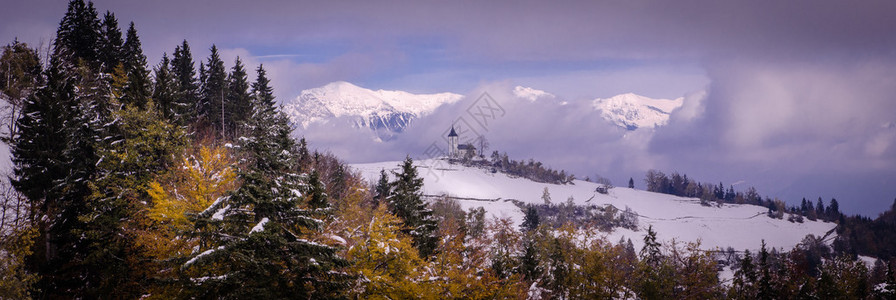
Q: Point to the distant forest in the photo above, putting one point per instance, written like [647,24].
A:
[856,235]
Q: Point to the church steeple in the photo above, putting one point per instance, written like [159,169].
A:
[452,143]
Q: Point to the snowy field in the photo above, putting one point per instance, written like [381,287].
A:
[683,219]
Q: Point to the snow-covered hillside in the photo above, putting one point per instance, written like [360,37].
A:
[380,109]
[632,111]
[683,219]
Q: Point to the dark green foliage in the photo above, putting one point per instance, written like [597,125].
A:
[859,235]
[237,103]
[530,220]
[184,108]
[77,38]
[260,247]
[40,166]
[406,203]
[164,92]
[764,287]
[631,183]
[316,195]
[214,84]
[655,276]
[137,91]
[110,44]
[383,189]
[261,88]
[531,169]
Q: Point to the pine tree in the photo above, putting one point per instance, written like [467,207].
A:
[38,156]
[260,245]
[631,183]
[213,86]
[164,92]
[316,194]
[745,278]
[137,91]
[77,39]
[237,106]
[406,203]
[765,276]
[261,89]
[184,108]
[383,189]
[110,43]
[833,210]
[530,220]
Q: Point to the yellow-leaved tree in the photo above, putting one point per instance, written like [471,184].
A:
[192,186]
[204,174]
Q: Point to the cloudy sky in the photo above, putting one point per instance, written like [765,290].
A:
[797,98]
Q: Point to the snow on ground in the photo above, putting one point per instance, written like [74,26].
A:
[683,219]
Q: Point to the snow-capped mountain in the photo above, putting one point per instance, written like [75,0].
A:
[381,110]
[530,93]
[632,111]
[739,226]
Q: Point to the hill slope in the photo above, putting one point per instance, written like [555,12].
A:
[682,219]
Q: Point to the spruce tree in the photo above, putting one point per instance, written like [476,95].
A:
[213,87]
[164,92]
[765,276]
[39,165]
[77,38]
[261,245]
[383,189]
[237,106]
[631,183]
[530,220]
[110,43]
[137,91]
[406,203]
[184,108]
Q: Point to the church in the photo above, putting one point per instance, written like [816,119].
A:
[459,151]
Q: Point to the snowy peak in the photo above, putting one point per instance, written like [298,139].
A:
[374,109]
[632,111]
[530,93]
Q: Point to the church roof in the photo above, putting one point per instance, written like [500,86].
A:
[452,133]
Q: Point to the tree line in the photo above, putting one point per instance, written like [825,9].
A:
[680,185]
[856,235]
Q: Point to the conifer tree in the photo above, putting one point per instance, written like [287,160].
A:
[530,220]
[214,84]
[77,38]
[237,106]
[184,107]
[259,245]
[137,91]
[745,278]
[164,92]
[765,275]
[631,183]
[39,165]
[110,43]
[406,203]
[383,189]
